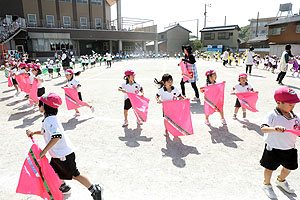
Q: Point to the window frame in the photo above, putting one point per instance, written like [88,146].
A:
[226,36]
[30,24]
[298,28]
[100,26]
[85,2]
[97,2]
[211,36]
[48,24]
[81,25]
[272,32]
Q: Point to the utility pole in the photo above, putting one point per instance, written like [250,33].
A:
[225,21]
[197,29]
[205,13]
[256,32]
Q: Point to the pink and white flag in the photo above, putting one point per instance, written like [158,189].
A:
[294,131]
[33,98]
[214,98]
[248,100]
[72,99]
[10,84]
[140,106]
[177,117]
[186,74]
[38,178]
[24,82]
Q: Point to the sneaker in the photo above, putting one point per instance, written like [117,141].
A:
[268,189]
[280,83]
[234,117]
[77,114]
[285,186]
[207,122]
[223,121]
[17,93]
[196,99]
[97,194]
[93,109]
[125,123]
[139,123]
[65,189]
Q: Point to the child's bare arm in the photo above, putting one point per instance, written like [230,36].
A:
[30,133]
[278,129]
[51,143]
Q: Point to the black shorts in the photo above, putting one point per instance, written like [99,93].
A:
[127,104]
[265,64]
[50,71]
[65,169]
[57,70]
[41,92]
[92,63]
[237,103]
[14,81]
[80,97]
[273,159]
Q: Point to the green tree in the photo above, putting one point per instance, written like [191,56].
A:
[196,44]
[244,32]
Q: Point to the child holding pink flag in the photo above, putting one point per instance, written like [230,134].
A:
[129,87]
[36,70]
[280,145]
[60,147]
[242,87]
[167,92]
[14,71]
[211,77]
[73,83]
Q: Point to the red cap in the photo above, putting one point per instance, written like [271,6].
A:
[22,65]
[35,67]
[129,72]
[69,71]
[286,95]
[30,65]
[52,100]
[243,75]
[209,72]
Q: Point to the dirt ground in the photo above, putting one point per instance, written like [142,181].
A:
[137,163]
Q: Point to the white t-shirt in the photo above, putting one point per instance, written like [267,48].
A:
[52,127]
[168,96]
[50,65]
[242,89]
[134,88]
[40,84]
[108,56]
[74,83]
[249,56]
[31,76]
[14,72]
[226,55]
[277,140]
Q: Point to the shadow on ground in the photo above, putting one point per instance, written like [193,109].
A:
[177,151]
[73,122]
[16,102]
[133,137]
[222,135]
[251,127]
[7,91]
[28,121]
[6,98]
[20,115]
[61,83]
[197,108]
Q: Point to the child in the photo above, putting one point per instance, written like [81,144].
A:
[60,147]
[24,69]
[280,145]
[14,71]
[167,92]
[131,87]
[50,68]
[36,70]
[58,67]
[72,83]
[211,77]
[73,62]
[242,87]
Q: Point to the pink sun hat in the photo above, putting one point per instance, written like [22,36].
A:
[52,100]
[286,95]
[129,72]
[243,75]
[209,72]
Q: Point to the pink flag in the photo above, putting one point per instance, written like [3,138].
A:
[72,99]
[248,100]
[10,84]
[33,98]
[294,131]
[24,82]
[140,106]
[186,74]
[214,98]
[177,117]
[38,178]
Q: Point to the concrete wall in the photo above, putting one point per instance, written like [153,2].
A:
[278,49]
[176,37]
[82,11]
[31,7]
[230,43]
[66,10]
[49,8]
[97,12]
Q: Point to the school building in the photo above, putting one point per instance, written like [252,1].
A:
[77,25]
[220,38]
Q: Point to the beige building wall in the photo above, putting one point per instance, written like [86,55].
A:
[49,8]
[82,11]
[66,10]
[175,39]
[31,7]
[97,12]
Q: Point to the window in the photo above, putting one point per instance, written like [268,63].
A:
[162,37]
[50,21]
[8,19]
[298,29]
[67,21]
[83,22]
[97,23]
[275,31]
[105,46]
[209,36]
[31,20]
[82,1]
[223,36]
[69,1]
[97,2]
[283,28]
